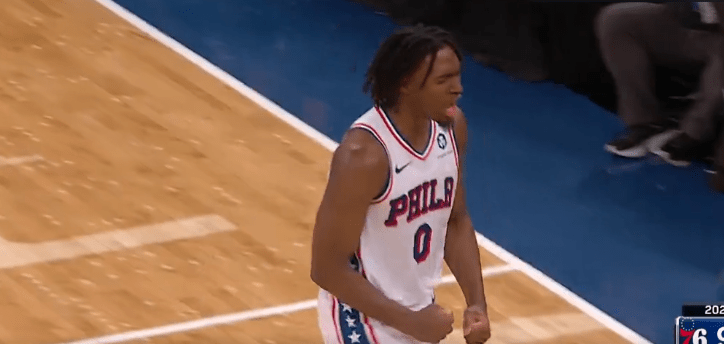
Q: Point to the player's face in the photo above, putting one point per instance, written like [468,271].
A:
[442,88]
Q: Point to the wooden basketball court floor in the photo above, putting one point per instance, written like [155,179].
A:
[146,196]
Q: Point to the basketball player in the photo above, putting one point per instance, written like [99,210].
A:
[394,209]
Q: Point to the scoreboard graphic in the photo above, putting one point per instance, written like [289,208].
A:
[700,324]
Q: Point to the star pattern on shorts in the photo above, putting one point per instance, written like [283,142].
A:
[351,325]
[354,337]
[350,322]
[346,308]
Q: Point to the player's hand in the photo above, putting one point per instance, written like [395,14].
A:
[476,325]
[431,324]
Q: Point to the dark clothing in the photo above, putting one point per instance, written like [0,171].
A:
[635,38]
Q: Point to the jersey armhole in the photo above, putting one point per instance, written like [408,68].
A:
[454,139]
[388,185]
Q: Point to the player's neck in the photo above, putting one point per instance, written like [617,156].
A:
[412,124]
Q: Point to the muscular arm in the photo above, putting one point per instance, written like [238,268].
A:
[358,173]
[461,247]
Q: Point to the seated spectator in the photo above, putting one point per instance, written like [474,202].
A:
[635,38]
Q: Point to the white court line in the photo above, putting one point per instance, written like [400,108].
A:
[17,254]
[328,143]
[19,160]
[253,314]
[561,291]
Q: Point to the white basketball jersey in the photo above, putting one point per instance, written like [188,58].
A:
[403,241]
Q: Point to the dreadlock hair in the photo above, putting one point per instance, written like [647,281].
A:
[399,56]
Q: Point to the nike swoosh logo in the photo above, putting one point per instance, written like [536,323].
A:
[399,169]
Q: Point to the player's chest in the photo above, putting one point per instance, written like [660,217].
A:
[421,196]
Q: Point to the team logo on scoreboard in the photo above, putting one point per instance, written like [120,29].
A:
[686,327]
[687,324]
[700,330]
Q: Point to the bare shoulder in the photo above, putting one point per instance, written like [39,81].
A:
[360,163]
[460,127]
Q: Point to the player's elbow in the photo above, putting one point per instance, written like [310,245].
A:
[324,273]
[319,272]
[322,277]
[315,274]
